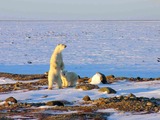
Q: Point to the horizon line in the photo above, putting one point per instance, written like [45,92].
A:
[72,20]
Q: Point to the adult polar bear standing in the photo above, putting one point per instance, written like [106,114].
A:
[56,65]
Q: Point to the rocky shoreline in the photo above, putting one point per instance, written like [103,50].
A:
[88,109]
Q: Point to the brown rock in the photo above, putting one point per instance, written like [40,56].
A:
[110,78]
[87,86]
[108,90]
[132,96]
[83,80]
[156,109]
[103,78]
[54,103]
[6,104]
[149,103]
[86,98]
[90,79]
[11,99]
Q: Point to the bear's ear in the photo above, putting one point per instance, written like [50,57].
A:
[63,72]
[65,45]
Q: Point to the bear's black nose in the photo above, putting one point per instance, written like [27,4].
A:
[65,46]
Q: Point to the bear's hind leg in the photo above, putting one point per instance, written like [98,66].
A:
[50,80]
[74,81]
[65,83]
[59,82]
[72,84]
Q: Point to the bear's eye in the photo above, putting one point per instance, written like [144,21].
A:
[65,46]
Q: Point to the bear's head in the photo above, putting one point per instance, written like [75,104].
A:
[61,46]
[63,72]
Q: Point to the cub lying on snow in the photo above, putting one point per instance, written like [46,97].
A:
[69,78]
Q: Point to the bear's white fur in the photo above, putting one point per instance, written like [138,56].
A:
[69,78]
[56,65]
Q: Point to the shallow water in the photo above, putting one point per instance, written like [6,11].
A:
[82,70]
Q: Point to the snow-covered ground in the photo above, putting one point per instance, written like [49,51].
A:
[130,116]
[145,89]
[122,48]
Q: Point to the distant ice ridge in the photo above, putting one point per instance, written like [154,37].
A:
[113,45]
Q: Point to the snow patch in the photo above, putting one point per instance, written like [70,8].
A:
[96,79]
[53,112]
[4,80]
[134,116]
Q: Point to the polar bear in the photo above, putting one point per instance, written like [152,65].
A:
[56,65]
[69,78]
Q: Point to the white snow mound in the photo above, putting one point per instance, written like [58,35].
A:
[96,79]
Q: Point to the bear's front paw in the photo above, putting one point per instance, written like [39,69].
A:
[64,87]
[60,87]
[49,88]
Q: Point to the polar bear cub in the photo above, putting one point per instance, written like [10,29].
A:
[56,65]
[69,78]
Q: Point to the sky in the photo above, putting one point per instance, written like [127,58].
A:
[80,9]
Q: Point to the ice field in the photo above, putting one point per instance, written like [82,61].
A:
[122,48]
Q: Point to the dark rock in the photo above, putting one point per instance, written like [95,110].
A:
[156,109]
[83,80]
[126,98]
[108,90]
[151,79]
[35,104]
[29,62]
[139,79]
[119,78]
[110,78]
[149,103]
[44,96]
[55,103]
[131,96]
[5,118]
[22,76]
[87,86]
[89,80]
[11,100]
[120,97]
[86,98]
[125,103]
[79,77]
[103,78]
[131,79]
[6,104]
[46,73]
